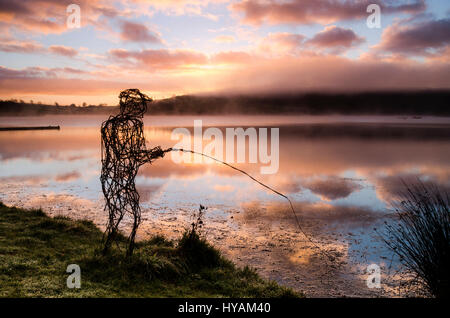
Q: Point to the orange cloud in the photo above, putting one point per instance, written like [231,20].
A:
[224,39]
[14,46]
[33,47]
[159,59]
[318,73]
[182,72]
[419,38]
[232,57]
[29,72]
[63,50]
[281,43]
[49,16]
[136,32]
[333,36]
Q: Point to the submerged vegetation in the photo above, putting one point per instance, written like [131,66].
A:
[421,237]
[35,251]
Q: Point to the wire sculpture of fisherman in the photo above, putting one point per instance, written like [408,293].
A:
[123,152]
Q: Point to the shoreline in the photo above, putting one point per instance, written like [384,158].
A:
[283,256]
[36,249]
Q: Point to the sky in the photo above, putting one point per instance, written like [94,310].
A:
[175,47]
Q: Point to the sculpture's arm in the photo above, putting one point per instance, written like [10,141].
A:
[148,156]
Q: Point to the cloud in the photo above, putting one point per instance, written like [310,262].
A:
[316,11]
[281,43]
[136,32]
[70,70]
[26,85]
[166,71]
[159,59]
[32,47]
[180,7]
[335,37]
[63,50]
[29,72]
[420,38]
[49,16]
[14,46]
[37,72]
[443,56]
[224,39]
[334,73]
[232,57]
[331,40]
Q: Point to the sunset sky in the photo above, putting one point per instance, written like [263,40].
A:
[173,47]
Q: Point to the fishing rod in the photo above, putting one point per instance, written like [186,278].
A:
[265,186]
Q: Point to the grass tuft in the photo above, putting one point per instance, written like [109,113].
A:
[197,252]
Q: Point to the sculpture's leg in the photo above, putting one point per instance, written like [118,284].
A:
[136,221]
[109,238]
[111,233]
[112,230]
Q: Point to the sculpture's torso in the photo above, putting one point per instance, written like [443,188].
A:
[122,145]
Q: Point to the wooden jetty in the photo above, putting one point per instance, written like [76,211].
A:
[30,128]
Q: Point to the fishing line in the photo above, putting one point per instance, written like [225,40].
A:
[265,186]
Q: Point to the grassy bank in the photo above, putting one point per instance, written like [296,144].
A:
[36,249]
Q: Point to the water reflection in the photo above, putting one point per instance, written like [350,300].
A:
[341,176]
[332,188]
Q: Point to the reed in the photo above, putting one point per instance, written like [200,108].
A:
[421,236]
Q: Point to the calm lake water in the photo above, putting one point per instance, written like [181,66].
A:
[341,172]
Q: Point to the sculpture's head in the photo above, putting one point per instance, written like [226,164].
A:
[133,102]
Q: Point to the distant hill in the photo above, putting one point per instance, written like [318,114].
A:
[388,103]
[405,103]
